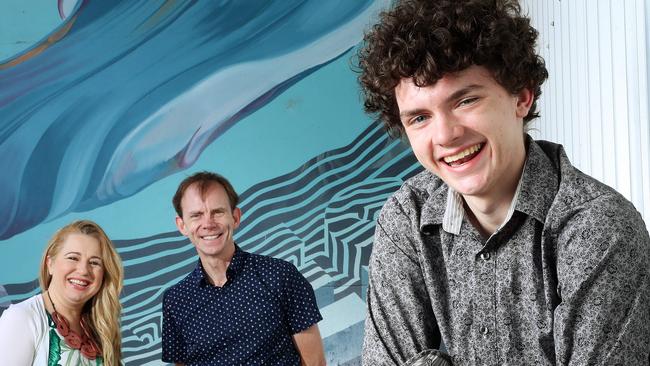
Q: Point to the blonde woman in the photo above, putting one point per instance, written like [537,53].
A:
[75,320]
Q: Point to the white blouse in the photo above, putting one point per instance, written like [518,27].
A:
[25,330]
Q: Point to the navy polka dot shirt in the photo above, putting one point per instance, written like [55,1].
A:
[248,321]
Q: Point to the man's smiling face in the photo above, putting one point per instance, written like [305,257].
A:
[209,221]
[466,128]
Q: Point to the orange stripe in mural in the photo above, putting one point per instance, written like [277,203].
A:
[163,10]
[51,39]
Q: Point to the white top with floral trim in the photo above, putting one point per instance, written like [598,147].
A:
[25,338]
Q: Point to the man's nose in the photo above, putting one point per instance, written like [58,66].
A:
[209,220]
[445,130]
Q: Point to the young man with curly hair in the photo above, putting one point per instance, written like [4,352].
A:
[500,248]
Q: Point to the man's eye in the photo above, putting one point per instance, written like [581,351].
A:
[419,119]
[73,258]
[467,101]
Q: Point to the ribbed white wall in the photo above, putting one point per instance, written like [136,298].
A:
[595,101]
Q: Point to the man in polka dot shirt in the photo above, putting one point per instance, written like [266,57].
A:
[235,308]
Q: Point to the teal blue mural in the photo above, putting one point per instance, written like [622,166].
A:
[105,106]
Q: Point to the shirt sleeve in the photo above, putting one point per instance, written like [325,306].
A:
[17,337]
[173,346]
[603,268]
[299,300]
[399,321]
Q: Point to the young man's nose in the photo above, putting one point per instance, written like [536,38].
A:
[445,129]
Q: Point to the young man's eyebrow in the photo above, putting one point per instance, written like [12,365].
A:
[463,91]
[412,112]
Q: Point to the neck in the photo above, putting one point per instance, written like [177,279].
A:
[70,312]
[487,216]
[215,267]
[488,212]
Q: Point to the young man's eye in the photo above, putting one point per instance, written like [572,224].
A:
[418,119]
[96,263]
[72,258]
[467,101]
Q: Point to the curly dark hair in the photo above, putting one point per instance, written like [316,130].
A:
[426,39]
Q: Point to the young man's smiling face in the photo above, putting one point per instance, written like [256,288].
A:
[467,129]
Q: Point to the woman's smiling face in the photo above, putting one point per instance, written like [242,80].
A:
[77,270]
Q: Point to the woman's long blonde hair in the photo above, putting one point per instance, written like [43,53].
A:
[103,311]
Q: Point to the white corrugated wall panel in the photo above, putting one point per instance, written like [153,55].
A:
[595,101]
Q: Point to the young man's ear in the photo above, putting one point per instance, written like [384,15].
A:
[180,224]
[524,101]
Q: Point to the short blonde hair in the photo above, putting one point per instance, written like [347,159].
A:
[103,311]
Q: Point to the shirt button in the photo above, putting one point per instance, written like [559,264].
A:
[484,330]
[485,256]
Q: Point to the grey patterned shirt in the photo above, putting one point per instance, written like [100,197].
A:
[564,281]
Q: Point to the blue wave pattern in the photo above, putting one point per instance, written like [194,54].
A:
[320,217]
[135,90]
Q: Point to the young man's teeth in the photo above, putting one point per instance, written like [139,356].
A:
[80,283]
[462,154]
[210,237]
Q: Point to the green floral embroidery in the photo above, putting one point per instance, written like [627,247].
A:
[55,349]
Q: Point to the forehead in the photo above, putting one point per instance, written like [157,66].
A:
[81,243]
[213,193]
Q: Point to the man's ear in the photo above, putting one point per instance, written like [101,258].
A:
[524,101]
[180,224]
[236,214]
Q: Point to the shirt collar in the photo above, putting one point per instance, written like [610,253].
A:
[434,205]
[234,268]
[454,210]
[237,263]
[540,183]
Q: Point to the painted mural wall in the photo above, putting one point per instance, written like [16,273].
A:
[105,106]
